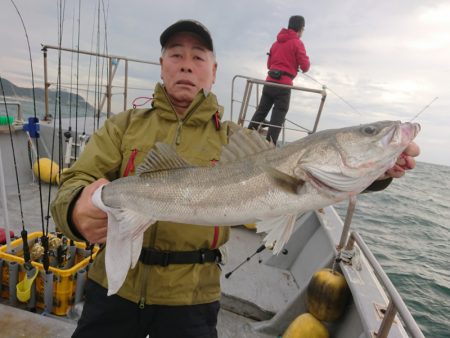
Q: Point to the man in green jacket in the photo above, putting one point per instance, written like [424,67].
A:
[174,290]
[177,300]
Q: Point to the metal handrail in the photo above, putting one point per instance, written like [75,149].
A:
[247,93]
[19,109]
[113,62]
[396,303]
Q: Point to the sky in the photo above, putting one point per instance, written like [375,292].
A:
[379,60]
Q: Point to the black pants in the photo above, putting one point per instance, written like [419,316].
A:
[113,316]
[279,98]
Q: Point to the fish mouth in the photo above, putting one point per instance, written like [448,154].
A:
[401,134]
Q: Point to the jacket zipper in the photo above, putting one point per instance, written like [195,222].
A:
[144,280]
[178,132]
[180,121]
[145,271]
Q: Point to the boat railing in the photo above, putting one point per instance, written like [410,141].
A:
[19,115]
[396,304]
[245,102]
[113,63]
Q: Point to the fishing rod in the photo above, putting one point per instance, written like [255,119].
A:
[24,232]
[257,251]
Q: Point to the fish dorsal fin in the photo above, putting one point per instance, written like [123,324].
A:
[243,143]
[161,157]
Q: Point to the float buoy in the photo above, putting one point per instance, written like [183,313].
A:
[48,169]
[327,295]
[306,326]
[251,226]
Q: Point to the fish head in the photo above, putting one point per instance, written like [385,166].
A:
[350,159]
[374,146]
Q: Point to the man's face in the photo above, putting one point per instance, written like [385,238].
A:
[186,67]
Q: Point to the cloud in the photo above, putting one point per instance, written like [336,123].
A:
[379,60]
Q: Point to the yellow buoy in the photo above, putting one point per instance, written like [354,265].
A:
[327,295]
[48,169]
[251,226]
[306,326]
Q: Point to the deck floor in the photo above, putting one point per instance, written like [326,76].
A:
[15,323]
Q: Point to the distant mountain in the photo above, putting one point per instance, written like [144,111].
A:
[11,90]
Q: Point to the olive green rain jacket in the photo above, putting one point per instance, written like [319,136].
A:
[198,139]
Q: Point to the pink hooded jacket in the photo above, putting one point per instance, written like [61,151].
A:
[287,54]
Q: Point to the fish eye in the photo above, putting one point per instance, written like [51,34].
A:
[370,130]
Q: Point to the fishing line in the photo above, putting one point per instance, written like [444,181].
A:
[89,80]
[24,234]
[97,66]
[331,90]
[14,156]
[35,114]
[61,7]
[71,72]
[424,108]
[105,51]
[78,78]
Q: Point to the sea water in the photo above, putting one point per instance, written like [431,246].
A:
[407,227]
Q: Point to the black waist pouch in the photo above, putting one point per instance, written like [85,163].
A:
[275,74]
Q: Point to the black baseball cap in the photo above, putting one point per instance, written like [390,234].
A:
[191,26]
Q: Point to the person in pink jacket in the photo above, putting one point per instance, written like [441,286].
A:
[287,56]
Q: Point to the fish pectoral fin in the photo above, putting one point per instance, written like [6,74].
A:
[286,182]
[161,157]
[278,229]
[123,244]
[124,239]
[117,256]
[136,247]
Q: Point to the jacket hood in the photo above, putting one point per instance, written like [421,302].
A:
[286,34]
[201,109]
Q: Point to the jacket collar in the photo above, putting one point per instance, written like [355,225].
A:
[201,109]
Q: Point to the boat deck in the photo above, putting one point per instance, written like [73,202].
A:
[17,323]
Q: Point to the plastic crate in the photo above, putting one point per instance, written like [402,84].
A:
[64,280]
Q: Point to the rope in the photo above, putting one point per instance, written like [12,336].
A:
[146,98]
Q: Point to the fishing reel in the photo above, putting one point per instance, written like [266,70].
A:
[57,250]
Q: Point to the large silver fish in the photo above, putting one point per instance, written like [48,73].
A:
[253,182]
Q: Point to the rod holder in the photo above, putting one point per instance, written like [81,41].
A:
[13,269]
